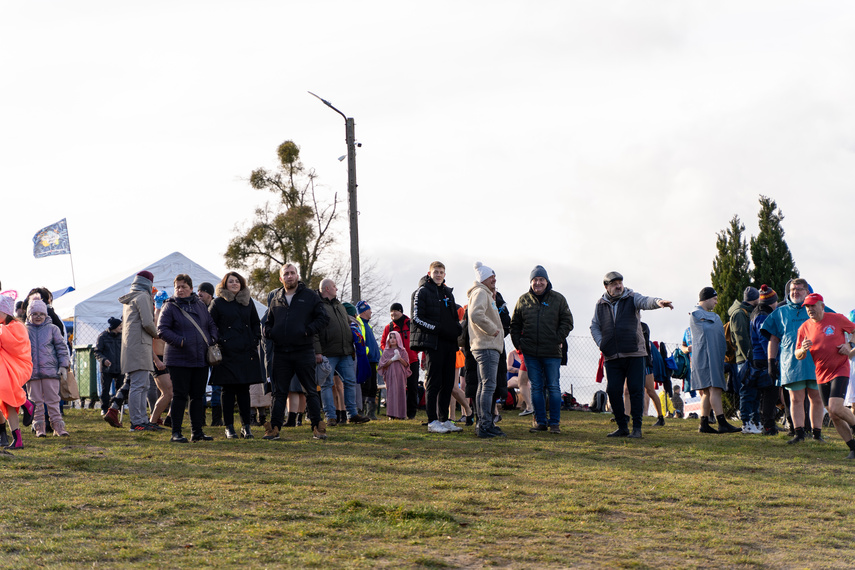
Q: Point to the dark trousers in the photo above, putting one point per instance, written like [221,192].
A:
[768,405]
[107,379]
[285,366]
[439,381]
[188,382]
[120,398]
[631,371]
[369,387]
[235,393]
[413,390]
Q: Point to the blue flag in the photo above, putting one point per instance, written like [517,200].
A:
[52,240]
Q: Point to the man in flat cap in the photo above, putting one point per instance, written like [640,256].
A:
[616,328]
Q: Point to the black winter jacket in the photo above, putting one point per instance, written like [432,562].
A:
[335,339]
[109,347]
[239,331]
[540,327]
[293,328]
[434,316]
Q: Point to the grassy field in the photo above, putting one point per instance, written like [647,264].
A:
[388,495]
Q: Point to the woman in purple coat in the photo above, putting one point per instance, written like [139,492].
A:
[185,355]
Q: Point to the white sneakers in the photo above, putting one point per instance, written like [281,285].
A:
[751,427]
[437,426]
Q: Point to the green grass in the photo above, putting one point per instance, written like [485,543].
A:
[389,495]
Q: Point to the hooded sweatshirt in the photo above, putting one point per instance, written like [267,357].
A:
[484,320]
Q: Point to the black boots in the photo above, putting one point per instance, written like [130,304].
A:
[292,420]
[724,427]
[799,436]
[705,426]
[4,439]
[230,432]
[660,422]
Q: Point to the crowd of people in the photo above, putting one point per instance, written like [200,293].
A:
[313,355]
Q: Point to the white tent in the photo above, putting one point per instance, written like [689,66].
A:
[91,306]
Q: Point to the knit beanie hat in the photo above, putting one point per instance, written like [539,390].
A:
[750,294]
[538,271]
[397,307]
[147,274]
[36,306]
[482,272]
[767,295]
[706,293]
[207,288]
[7,305]
[351,310]
[113,322]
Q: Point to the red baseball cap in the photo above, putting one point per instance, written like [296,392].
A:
[813,299]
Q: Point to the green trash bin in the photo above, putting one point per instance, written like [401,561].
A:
[86,371]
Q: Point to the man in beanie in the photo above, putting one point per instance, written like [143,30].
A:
[826,337]
[108,351]
[759,377]
[617,330]
[708,348]
[740,336]
[401,324]
[138,329]
[539,328]
[486,341]
[369,387]
[435,332]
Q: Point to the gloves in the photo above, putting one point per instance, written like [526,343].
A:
[63,374]
[773,369]
[160,298]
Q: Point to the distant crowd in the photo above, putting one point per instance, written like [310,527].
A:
[311,356]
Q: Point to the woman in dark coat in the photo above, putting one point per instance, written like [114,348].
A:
[185,355]
[239,332]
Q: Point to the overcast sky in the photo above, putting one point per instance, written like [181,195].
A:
[583,136]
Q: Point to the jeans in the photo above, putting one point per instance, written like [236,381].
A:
[749,407]
[137,395]
[630,370]
[285,366]
[488,366]
[216,395]
[544,374]
[346,368]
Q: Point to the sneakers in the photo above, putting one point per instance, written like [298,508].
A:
[143,427]
[770,431]
[485,434]
[112,418]
[332,422]
[230,432]
[536,428]
[270,432]
[449,425]
[437,427]
[246,432]
[750,428]
[200,436]
[526,412]
[357,419]
[319,431]
[555,429]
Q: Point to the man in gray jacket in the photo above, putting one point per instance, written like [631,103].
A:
[616,329]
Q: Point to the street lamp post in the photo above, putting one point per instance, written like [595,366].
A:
[350,138]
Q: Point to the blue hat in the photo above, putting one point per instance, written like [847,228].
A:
[538,271]
[362,306]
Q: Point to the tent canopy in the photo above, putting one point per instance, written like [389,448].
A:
[92,305]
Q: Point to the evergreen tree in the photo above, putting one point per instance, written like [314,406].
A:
[773,262]
[730,274]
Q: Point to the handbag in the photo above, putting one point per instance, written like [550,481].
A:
[68,389]
[214,355]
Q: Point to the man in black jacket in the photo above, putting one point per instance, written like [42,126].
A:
[294,316]
[108,351]
[435,332]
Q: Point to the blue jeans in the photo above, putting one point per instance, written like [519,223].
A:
[544,374]
[488,367]
[749,408]
[346,368]
[216,395]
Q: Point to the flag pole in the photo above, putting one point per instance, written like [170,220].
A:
[70,258]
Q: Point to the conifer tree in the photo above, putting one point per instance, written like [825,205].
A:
[773,262]
[730,275]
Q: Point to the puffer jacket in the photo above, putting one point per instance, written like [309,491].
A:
[539,328]
[48,350]
[138,326]
[184,345]
[292,328]
[434,316]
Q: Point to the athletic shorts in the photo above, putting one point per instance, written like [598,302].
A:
[834,389]
[801,385]
[160,372]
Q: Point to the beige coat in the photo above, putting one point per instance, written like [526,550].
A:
[484,320]
[138,329]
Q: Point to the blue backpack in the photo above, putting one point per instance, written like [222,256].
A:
[681,364]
